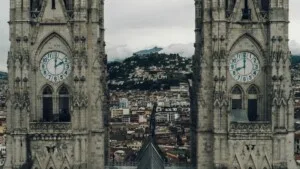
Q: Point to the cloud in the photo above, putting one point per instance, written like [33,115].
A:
[118,52]
[185,50]
[294,47]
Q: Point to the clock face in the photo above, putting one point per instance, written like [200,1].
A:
[55,66]
[244,67]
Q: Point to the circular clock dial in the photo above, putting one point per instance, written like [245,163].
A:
[244,67]
[55,66]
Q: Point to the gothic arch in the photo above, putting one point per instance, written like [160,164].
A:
[47,103]
[238,112]
[252,103]
[63,94]
[253,89]
[48,38]
[237,89]
[44,87]
[251,38]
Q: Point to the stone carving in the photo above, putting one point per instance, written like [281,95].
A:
[22,101]
[51,137]
[254,128]
[220,99]
[279,98]
[50,126]
[80,100]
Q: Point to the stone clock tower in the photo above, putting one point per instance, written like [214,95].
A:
[242,85]
[57,85]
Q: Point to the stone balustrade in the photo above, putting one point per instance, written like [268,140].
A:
[250,129]
[50,126]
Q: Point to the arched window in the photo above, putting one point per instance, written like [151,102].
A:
[265,5]
[35,7]
[53,4]
[252,103]
[246,11]
[47,104]
[238,113]
[64,105]
[68,4]
[230,4]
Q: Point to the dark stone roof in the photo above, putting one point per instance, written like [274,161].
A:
[150,156]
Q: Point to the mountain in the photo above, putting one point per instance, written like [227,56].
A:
[148,51]
[3,75]
[151,72]
[295,59]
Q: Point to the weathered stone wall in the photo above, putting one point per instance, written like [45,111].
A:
[79,34]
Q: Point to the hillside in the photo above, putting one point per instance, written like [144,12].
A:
[3,75]
[148,72]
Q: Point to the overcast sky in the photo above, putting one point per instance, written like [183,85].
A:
[133,25]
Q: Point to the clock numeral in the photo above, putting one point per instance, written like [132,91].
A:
[61,77]
[66,72]
[250,77]
[45,60]
[55,78]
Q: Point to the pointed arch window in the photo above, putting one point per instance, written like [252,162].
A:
[246,11]
[230,4]
[238,113]
[64,104]
[53,4]
[47,104]
[236,98]
[265,5]
[68,4]
[253,103]
[35,7]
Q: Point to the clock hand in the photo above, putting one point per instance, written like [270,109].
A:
[239,68]
[244,60]
[60,63]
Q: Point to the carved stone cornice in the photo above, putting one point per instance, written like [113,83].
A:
[51,137]
[50,126]
[249,130]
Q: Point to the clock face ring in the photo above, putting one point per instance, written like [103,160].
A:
[244,67]
[55,66]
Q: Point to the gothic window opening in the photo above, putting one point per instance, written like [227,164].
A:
[229,5]
[35,7]
[237,98]
[47,104]
[53,4]
[238,114]
[246,11]
[68,4]
[265,5]
[64,104]
[252,104]
[69,7]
